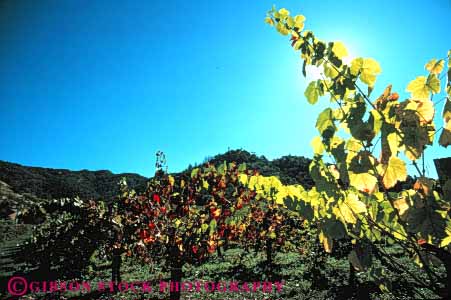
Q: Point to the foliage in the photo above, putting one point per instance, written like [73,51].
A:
[185,217]
[63,244]
[351,197]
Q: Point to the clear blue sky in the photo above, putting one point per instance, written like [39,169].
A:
[105,84]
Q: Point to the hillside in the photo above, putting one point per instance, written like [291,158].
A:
[48,183]
[290,169]
[60,183]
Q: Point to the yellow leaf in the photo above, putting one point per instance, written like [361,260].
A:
[357,206]
[422,86]
[299,22]
[353,145]
[356,65]
[282,28]
[317,145]
[205,184]
[364,182]
[171,180]
[351,207]
[243,179]
[393,172]
[402,205]
[269,21]
[434,66]
[418,88]
[328,243]
[290,22]
[446,241]
[334,171]
[330,71]
[339,49]
[283,12]
[368,68]
[426,111]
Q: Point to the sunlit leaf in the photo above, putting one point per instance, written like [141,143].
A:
[351,207]
[269,21]
[418,88]
[299,22]
[282,28]
[426,111]
[368,69]
[402,205]
[422,86]
[317,145]
[433,83]
[339,49]
[312,92]
[447,240]
[434,66]
[325,122]
[393,172]
[328,243]
[283,12]
[364,182]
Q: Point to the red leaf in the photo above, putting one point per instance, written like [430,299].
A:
[156,198]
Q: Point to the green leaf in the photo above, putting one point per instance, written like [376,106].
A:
[333,228]
[290,203]
[330,71]
[325,123]
[376,121]
[354,260]
[353,145]
[212,226]
[305,210]
[194,172]
[312,92]
[433,83]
